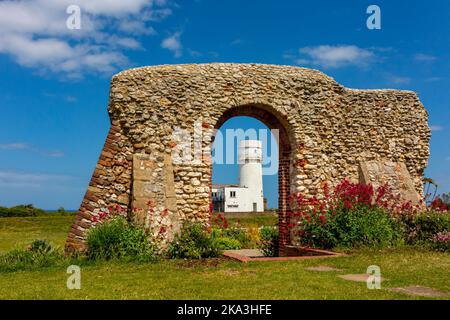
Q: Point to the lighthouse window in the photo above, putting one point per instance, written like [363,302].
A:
[232,194]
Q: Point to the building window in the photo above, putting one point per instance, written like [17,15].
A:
[232,194]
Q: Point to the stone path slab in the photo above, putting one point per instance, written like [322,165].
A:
[251,253]
[357,277]
[421,291]
[323,269]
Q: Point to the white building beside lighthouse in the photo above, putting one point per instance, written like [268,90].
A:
[248,195]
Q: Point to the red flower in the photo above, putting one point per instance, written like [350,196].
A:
[348,204]
[103,215]
[162,230]
[323,219]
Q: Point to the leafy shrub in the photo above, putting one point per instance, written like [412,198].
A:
[222,228]
[39,254]
[364,226]
[20,211]
[421,228]
[224,243]
[40,246]
[237,234]
[254,237]
[269,241]
[118,239]
[193,242]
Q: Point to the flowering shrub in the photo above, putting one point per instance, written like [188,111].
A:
[221,222]
[358,215]
[439,205]
[158,226]
[421,228]
[236,232]
[193,242]
[269,241]
[352,215]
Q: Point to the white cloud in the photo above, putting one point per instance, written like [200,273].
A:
[173,44]
[398,80]
[421,57]
[436,128]
[433,79]
[194,54]
[21,179]
[71,99]
[236,42]
[26,147]
[35,35]
[136,27]
[328,56]
[14,146]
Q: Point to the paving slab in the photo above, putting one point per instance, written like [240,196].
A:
[357,277]
[247,255]
[421,291]
[251,253]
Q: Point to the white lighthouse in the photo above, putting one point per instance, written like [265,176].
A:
[248,195]
[250,173]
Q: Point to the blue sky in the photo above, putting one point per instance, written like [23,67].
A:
[55,81]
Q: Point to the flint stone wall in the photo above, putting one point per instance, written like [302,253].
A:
[328,131]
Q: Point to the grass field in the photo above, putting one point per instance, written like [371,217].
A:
[19,232]
[216,278]
[251,219]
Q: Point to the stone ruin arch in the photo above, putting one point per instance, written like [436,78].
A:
[328,133]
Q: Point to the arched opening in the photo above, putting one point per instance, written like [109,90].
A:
[278,126]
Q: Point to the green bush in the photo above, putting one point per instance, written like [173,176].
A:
[224,243]
[421,228]
[237,234]
[39,254]
[40,246]
[318,232]
[269,241]
[118,239]
[194,242]
[365,226]
[21,211]
[360,226]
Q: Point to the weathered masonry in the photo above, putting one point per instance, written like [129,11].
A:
[327,133]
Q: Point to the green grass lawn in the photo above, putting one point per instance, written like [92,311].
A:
[215,278]
[223,279]
[19,232]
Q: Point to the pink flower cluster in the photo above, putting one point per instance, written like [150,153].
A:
[442,237]
[348,195]
[112,211]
